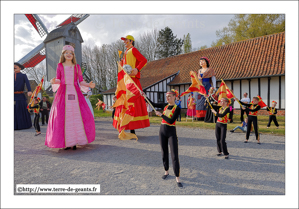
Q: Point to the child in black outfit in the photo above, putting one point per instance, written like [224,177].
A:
[221,126]
[36,109]
[253,108]
[168,133]
[272,114]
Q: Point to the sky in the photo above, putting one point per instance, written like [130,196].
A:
[105,29]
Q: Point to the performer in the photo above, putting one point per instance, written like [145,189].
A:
[221,126]
[36,109]
[87,95]
[272,114]
[191,104]
[207,76]
[45,109]
[137,61]
[70,122]
[168,134]
[210,117]
[178,102]
[253,108]
[22,119]
[232,101]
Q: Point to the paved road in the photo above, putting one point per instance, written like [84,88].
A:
[135,167]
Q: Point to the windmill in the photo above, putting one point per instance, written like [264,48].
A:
[66,33]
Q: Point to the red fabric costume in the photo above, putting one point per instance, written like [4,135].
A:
[135,59]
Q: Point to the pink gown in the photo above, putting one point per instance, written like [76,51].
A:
[71,121]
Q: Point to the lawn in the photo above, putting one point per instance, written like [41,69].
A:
[262,122]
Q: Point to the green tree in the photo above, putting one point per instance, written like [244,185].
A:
[203,47]
[187,44]
[246,26]
[168,44]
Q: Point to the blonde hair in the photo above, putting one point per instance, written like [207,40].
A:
[62,58]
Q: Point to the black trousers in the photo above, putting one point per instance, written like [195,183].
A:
[36,122]
[45,112]
[272,117]
[231,114]
[179,117]
[220,132]
[242,114]
[252,119]
[113,113]
[168,134]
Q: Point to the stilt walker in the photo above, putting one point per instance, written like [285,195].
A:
[71,122]
[137,61]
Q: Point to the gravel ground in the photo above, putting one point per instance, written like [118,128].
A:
[135,167]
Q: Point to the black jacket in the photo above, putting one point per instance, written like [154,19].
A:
[48,104]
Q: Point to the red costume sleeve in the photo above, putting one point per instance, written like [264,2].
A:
[140,59]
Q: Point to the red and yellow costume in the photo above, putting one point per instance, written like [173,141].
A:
[135,59]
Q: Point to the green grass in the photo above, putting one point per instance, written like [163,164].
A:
[101,114]
[262,122]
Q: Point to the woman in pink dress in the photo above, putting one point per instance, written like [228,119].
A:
[191,111]
[70,122]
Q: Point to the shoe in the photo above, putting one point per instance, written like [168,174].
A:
[219,154]
[267,127]
[277,127]
[232,131]
[132,132]
[179,184]
[258,142]
[67,148]
[37,134]
[226,157]
[165,176]
[74,147]
[245,141]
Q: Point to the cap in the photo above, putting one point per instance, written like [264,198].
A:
[128,37]
[68,47]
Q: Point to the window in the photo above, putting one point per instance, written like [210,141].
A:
[160,97]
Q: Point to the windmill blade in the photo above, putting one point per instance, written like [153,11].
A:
[75,18]
[37,24]
[34,57]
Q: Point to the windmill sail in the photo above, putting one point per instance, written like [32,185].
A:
[34,57]
[75,18]
[37,24]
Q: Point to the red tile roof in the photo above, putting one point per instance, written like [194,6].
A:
[256,57]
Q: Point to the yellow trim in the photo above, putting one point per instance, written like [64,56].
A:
[135,118]
[143,67]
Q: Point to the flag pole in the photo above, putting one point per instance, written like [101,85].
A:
[210,104]
[233,94]
[138,88]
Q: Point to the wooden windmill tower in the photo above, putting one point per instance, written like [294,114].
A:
[66,33]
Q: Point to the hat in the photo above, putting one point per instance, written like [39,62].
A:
[274,102]
[205,59]
[128,37]
[20,66]
[68,47]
